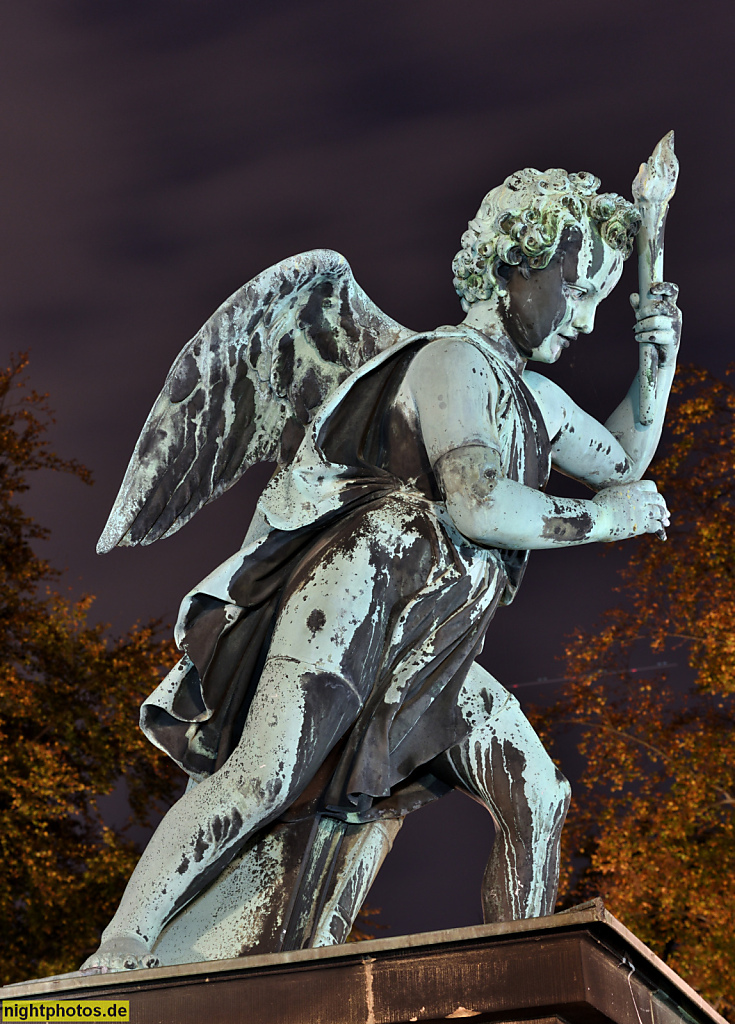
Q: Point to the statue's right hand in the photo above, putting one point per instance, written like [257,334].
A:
[628,510]
[659,321]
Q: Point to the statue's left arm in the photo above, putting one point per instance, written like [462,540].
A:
[620,451]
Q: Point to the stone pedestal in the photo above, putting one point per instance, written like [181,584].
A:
[581,967]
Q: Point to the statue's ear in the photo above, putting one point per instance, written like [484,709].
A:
[505,271]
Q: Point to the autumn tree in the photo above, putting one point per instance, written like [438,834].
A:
[653,815]
[68,727]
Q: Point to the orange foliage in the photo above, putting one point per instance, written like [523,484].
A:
[68,729]
[364,927]
[653,815]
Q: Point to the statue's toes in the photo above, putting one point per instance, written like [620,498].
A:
[119,955]
[136,963]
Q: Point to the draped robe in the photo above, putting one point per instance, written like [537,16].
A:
[362,465]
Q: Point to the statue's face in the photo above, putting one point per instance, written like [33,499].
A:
[545,312]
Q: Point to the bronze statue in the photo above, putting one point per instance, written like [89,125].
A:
[328,684]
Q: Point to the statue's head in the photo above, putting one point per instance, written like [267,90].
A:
[523,222]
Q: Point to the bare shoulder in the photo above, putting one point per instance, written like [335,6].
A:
[451,386]
[454,355]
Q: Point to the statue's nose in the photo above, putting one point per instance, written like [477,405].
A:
[584,320]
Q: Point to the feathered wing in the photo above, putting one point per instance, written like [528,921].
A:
[244,388]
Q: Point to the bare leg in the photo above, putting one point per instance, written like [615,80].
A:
[245,908]
[364,849]
[304,703]
[503,764]
[280,750]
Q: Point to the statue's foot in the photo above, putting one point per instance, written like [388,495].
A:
[124,953]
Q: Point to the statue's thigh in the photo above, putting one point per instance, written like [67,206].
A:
[327,647]
[341,600]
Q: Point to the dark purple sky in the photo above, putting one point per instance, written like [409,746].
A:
[156,155]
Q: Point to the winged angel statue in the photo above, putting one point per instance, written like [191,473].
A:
[328,684]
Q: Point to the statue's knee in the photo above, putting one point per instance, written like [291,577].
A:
[564,791]
[559,795]
[234,794]
[549,792]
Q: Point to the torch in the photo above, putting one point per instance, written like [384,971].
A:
[653,188]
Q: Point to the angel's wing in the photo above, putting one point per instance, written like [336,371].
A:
[244,388]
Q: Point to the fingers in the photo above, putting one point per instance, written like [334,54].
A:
[634,509]
[653,505]
[665,288]
[660,301]
[658,513]
[660,290]
[657,322]
[659,307]
[662,512]
[657,331]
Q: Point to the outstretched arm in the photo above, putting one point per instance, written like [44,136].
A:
[453,390]
[497,512]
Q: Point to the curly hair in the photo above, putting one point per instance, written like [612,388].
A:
[521,222]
